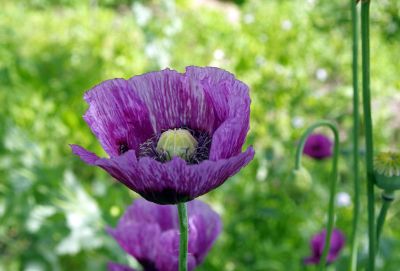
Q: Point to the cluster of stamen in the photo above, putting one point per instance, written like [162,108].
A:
[191,145]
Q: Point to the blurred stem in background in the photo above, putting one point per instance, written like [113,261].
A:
[334,178]
[365,4]
[356,126]
[183,243]
[387,198]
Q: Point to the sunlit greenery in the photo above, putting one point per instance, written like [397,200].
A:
[295,56]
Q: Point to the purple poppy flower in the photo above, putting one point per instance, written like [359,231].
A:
[207,109]
[318,146]
[150,233]
[317,246]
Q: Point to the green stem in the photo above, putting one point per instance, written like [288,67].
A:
[356,126]
[334,178]
[183,244]
[368,131]
[387,197]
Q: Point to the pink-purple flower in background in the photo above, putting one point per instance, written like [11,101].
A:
[150,233]
[171,136]
[318,146]
[317,246]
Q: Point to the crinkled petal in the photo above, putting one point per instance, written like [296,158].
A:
[231,101]
[317,246]
[174,100]
[168,252]
[137,239]
[118,267]
[174,181]
[337,243]
[166,216]
[317,243]
[208,225]
[86,156]
[311,260]
[117,116]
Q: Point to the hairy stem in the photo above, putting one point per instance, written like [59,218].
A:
[183,244]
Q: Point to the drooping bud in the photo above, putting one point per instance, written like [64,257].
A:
[177,142]
[302,179]
[387,170]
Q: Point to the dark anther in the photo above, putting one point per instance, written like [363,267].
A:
[123,148]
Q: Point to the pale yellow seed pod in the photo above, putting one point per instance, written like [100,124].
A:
[177,143]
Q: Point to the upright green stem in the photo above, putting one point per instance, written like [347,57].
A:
[368,131]
[334,178]
[387,197]
[183,244]
[356,126]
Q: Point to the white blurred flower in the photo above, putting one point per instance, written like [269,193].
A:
[141,13]
[37,216]
[248,18]
[83,218]
[219,54]
[34,266]
[321,74]
[298,122]
[287,25]
[343,199]
[262,171]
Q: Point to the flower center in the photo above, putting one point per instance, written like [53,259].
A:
[177,142]
[388,164]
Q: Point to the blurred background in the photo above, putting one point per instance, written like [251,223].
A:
[295,56]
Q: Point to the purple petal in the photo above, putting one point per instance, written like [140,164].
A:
[317,245]
[311,260]
[117,116]
[86,156]
[174,181]
[168,252]
[118,267]
[318,146]
[143,211]
[231,101]
[138,239]
[174,100]
[208,226]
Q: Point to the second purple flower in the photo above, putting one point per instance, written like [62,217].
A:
[150,233]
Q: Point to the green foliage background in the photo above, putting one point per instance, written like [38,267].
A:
[294,55]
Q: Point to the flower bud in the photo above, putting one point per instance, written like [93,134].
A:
[177,142]
[302,179]
[387,170]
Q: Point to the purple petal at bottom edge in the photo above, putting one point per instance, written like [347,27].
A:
[171,182]
[174,181]
[118,267]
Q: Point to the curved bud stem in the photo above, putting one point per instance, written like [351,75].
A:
[334,178]
[183,243]
[387,197]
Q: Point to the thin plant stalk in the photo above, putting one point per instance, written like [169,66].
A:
[334,178]
[387,197]
[365,6]
[356,126]
[183,241]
